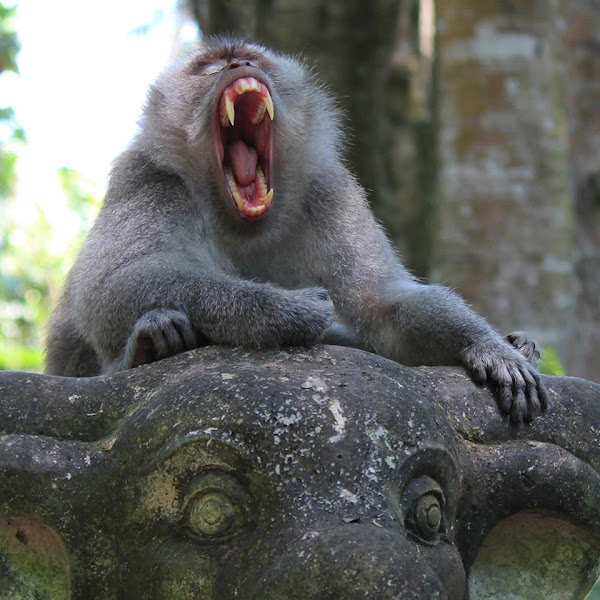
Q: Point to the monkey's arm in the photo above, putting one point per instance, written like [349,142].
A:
[150,281]
[146,312]
[415,324]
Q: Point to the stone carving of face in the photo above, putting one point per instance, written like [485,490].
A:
[217,474]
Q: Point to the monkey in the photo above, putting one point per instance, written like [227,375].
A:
[233,219]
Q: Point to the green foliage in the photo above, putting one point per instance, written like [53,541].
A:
[9,42]
[33,262]
[550,363]
[9,129]
[33,255]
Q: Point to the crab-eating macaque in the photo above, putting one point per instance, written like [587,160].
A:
[232,219]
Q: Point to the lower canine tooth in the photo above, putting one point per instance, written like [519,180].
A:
[266,200]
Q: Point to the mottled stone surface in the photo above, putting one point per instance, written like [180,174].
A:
[306,474]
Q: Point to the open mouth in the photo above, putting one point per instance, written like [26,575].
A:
[244,144]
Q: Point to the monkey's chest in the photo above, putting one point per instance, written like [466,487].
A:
[280,271]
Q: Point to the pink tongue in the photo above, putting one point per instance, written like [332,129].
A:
[243,160]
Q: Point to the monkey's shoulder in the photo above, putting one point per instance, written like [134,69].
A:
[136,176]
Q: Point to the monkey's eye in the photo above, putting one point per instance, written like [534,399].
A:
[211,68]
[217,508]
[423,503]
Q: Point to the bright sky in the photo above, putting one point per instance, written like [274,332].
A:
[84,73]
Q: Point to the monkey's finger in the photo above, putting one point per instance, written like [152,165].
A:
[170,341]
[478,371]
[185,332]
[519,410]
[519,375]
[533,354]
[541,391]
[533,400]
[525,346]
[505,397]
[516,337]
[140,349]
[534,384]
[164,340]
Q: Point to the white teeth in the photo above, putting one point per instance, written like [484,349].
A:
[243,86]
[266,105]
[266,200]
[233,189]
[262,182]
[269,104]
[260,113]
[262,187]
[230,108]
[242,205]
[254,211]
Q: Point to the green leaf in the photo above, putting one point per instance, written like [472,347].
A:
[550,363]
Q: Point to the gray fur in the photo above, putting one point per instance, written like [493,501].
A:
[168,266]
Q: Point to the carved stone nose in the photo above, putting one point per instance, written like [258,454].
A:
[359,561]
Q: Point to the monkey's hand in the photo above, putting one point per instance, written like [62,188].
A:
[520,390]
[526,346]
[257,315]
[338,334]
[300,318]
[157,334]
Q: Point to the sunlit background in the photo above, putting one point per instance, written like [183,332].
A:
[83,73]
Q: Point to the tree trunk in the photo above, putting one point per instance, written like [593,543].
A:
[505,218]
[581,41]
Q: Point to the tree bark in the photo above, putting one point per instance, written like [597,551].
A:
[505,217]
[581,41]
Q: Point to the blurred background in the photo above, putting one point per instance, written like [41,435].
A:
[473,124]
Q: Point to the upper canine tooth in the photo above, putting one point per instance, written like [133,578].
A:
[230,108]
[269,104]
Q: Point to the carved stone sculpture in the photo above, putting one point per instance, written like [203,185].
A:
[327,473]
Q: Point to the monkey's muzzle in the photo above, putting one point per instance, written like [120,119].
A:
[244,144]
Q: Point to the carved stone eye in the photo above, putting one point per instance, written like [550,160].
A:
[215,514]
[423,507]
[426,517]
[212,68]
[217,508]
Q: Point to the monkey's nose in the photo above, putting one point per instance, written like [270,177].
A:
[234,63]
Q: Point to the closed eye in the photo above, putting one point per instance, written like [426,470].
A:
[211,68]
